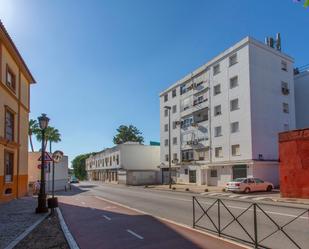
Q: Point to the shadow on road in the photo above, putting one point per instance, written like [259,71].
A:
[120,228]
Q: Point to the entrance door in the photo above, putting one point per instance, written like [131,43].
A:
[239,171]
[192,176]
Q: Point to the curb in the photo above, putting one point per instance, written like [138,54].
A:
[71,241]
[26,232]
[176,223]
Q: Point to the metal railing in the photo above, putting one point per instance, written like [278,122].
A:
[210,217]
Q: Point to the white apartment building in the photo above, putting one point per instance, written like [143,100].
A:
[301,80]
[226,116]
[129,163]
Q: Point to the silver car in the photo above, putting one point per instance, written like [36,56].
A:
[247,185]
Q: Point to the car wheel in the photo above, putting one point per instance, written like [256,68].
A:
[247,190]
[269,188]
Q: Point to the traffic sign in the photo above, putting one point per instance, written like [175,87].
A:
[57,156]
[47,158]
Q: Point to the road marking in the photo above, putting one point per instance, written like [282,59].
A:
[109,207]
[245,197]
[174,222]
[212,194]
[259,198]
[83,203]
[106,217]
[134,234]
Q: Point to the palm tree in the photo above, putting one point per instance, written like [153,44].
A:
[52,135]
[33,130]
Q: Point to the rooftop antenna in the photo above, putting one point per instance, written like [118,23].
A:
[278,41]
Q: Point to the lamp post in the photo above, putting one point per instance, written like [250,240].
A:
[42,208]
[169,146]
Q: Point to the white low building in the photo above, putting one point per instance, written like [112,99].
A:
[61,172]
[226,116]
[129,163]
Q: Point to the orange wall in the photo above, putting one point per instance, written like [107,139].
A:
[22,187]
[294,163]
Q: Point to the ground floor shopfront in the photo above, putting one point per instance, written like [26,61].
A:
[220,174]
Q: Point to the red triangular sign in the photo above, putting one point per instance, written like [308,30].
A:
[47,158]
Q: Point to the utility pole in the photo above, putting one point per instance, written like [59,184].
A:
[169,146]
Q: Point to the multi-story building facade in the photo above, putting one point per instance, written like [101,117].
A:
[301,97]
[226,116]
[15,81]
[129,163]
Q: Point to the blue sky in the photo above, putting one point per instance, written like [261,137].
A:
[100,64]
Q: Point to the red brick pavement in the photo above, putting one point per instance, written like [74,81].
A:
[95,223]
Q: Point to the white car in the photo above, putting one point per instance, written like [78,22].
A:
[248,185]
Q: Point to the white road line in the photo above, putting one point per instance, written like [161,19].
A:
[106,217]
[212,194]
[134,234]
[245,197]
[229,206]
[259,198]
[83,203]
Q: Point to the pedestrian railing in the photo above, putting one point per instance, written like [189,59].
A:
[252,223]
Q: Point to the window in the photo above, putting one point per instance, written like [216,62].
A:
[234,127]
[218,152]
[286,127]
[9,125]
[117,159]
[183,89]
[166,157]
[165,112]
[175,156]
[217,110]
[235,150]
[213,173]
[174,124]
[10,79]
[174,140]
[234,82]
[114,158]
[233,59]
[166,127]
[203,154]
[217,89]
[285,107]
[186,103]
[165,97]
[187,155]
[166,142]
[174,108]
[186,171]
[218,131]
[284,66]
[174,93]
[186,122]
[234,105]
[285,88]
[8,166]
[216,69]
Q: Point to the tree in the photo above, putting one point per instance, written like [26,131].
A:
[79,166]
[128,134]
[52,135]
[33,130]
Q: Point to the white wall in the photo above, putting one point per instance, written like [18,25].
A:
[301,100]
[267,114]
[139,157]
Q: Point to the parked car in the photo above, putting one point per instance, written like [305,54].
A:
[74,180]
[247,185]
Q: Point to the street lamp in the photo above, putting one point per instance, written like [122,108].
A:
[169,146]
[42,208]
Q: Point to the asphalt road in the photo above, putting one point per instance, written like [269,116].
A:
[178,207]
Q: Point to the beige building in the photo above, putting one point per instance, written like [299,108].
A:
[15,81]
[129,163]
[61,171]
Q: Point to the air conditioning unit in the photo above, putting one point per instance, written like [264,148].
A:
[195,142]
[194,124]
[177,123]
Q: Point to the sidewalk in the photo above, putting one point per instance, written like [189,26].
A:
[15,217]
[187,188]
[97,223]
